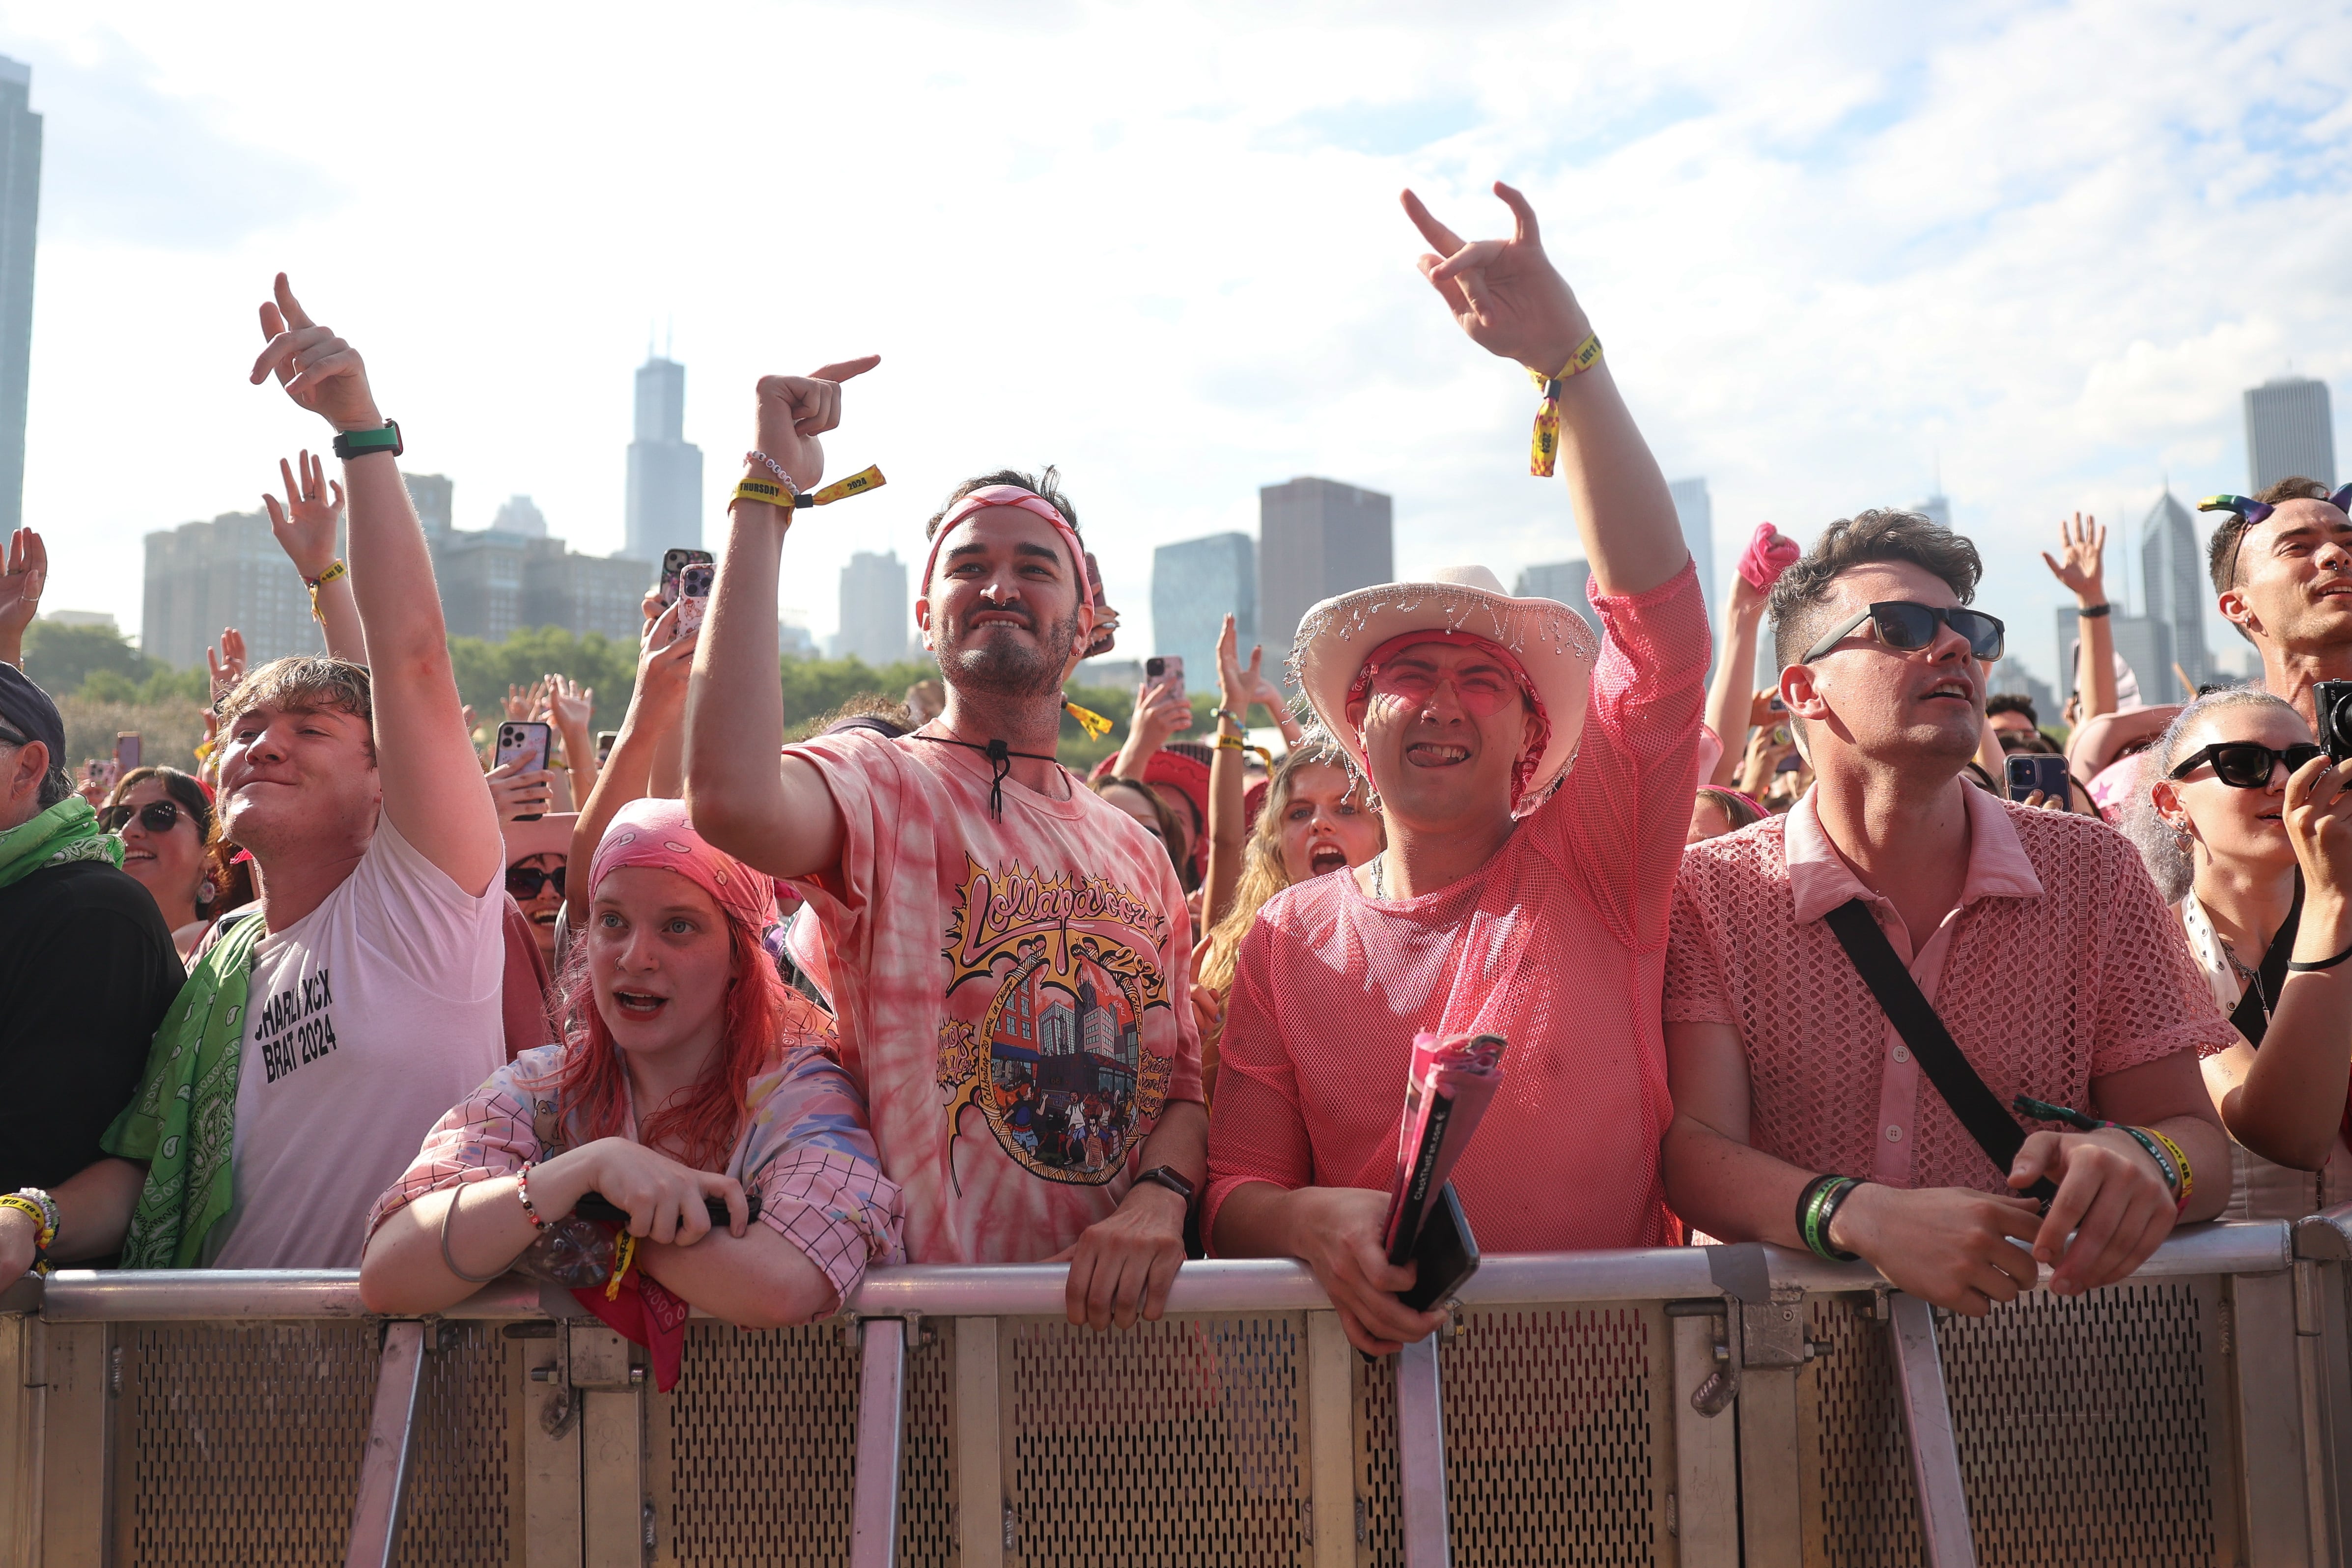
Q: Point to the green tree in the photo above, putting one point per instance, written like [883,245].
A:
[59,658]
[485,670]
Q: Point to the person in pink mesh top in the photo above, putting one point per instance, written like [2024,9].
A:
[2036,936]
[1008,953]
[1510,897]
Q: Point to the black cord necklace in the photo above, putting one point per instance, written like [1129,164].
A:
[1000,757]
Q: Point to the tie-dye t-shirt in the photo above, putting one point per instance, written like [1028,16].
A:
[1009,994]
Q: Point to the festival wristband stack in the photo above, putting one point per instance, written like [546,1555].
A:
[1545,446]
[42,1209]
[1816,1206]
[2171,1159]
[334,570]
[778,491]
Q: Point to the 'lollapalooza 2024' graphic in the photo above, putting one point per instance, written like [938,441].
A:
[1057,1061]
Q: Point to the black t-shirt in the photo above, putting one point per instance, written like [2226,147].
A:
[87,971]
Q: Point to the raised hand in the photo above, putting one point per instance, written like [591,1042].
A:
[1236,686]
[2080,561]
[520,700]
[305,525]
[28,573]
[2317,810]
[794,410]
[1505,293]
[518,793]
[570,705]
[227,662]
[319,371]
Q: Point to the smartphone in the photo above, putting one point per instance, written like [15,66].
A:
[597,1206]
[1165,672]
[2031,770]
[605,739]
[694,595]
[1445,1256]
[674,565]
[126,750]
[529,742]
[1790,763]
[1779,706]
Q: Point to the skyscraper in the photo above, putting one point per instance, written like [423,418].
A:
[2172,572]
[20,203]
[1937,509]
[1560,580]
[1695,510]
[877,616]
[1195,587]
[2290,429]
[230,571]
[1317,538]
[665,509]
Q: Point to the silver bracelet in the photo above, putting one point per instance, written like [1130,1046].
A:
[450,1263]
[49,1208]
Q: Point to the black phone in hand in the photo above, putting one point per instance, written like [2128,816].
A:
[603,1210]
[1445,1256]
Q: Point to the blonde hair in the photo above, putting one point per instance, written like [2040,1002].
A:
[1263,872]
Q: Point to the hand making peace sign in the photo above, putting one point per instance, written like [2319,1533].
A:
[319,371]
[1506,293]
[794,410]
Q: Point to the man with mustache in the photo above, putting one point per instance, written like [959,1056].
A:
[1004,946]
[1803,1115]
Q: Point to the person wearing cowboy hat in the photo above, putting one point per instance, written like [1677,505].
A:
[1534,783]
[2281,563]
[1001,945]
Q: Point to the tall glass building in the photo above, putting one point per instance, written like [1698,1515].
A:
[2289,430]
[665,503]
[1195,587]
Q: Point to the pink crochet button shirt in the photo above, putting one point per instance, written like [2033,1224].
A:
[2060,964]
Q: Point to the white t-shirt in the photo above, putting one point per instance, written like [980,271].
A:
[366,1020]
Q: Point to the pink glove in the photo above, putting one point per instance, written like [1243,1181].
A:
[1765,559]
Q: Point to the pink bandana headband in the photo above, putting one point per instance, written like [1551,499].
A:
[657,833]
[1029,501]
[1523,771]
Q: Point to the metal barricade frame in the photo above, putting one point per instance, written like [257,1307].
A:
[952,1415]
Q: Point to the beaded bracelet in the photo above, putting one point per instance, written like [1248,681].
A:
[522,1190]
[43,1231]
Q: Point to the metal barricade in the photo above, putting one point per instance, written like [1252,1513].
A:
[1703,1407]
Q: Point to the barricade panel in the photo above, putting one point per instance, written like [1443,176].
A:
[751,1453]
[1178,1443]
[2094,1429]
[465,1505]
[240,1443]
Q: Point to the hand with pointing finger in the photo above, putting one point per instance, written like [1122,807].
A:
[1506,293]
[319,371]
[794,410]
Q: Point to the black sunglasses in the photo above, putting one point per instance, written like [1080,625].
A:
[525,881]
[156,817]
[1908,627]
[2245,765]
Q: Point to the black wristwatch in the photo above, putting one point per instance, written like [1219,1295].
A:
[349,444]
[1163,1176]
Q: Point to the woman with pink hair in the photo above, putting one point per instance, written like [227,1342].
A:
[690,1080]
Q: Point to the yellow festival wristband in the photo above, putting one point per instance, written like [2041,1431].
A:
[1544,447]
[777,493]
[334,570]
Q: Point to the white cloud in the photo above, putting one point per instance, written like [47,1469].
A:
[1830,246]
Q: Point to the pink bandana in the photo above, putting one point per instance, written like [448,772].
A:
[1523,771]
[657,833]
[1029,501]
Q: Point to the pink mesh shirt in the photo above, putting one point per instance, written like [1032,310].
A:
[2060,964]
[1557,943]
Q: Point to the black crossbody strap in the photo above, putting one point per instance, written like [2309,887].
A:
[2253,1018]
[1995,1131]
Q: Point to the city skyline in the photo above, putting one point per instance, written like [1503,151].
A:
[1195,583]
[2290,432]
[1317,538]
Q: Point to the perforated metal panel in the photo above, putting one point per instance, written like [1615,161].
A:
[926,1475]
[465,1506]
[1175,1443]
[751,1456]
[240,1445]
[1558,1439]
[2089,1430]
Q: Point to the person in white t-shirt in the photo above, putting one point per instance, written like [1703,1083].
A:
[317,1039]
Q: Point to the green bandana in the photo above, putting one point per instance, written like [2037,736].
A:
[66,831]
[184,1120]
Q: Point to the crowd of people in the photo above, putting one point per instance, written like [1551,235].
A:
[719,1017]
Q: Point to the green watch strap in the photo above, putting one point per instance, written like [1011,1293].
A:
[349,444]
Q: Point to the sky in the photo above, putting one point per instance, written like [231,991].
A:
[1839,253]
